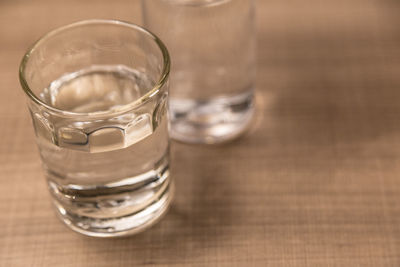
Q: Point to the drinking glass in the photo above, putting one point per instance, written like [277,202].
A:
[97,93]
[212,46]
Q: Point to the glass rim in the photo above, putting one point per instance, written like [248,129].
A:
[115,111]
[197,3]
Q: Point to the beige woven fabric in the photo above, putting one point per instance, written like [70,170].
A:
[315,182]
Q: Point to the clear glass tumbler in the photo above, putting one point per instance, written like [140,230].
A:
[97,92]
[212,46]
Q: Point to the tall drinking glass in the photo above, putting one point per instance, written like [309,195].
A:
[97,92]
[212,46]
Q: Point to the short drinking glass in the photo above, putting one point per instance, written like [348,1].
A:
[97,92]
[212,46]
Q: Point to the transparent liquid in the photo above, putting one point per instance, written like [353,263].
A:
[212,44]
[108,176]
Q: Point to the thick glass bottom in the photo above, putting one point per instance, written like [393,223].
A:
[213,121]
[117,226]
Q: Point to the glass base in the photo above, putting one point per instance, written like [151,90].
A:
[118,226]
[213,121]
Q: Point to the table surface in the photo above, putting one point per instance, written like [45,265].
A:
[314,182]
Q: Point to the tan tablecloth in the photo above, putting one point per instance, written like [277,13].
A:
[315,182]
